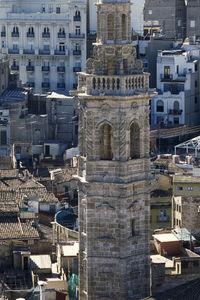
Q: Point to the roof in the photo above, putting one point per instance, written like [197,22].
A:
[156,258]
[59,96]
[17,94]
[56,284]
[15,228]
[8,207]
[40,262]
[70,250]
[186,179]
[165,237]
[183,234]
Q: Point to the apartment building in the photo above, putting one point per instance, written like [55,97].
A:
[186,203]
[177,101]
[171,15]
[45,41]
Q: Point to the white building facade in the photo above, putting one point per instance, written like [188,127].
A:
[45,41]
[177,102]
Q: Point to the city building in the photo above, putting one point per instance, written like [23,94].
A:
[148,52]
[193,23]
[186,203]
[177,101]
[45,42]
[113,163]
[5,147]
[170,14]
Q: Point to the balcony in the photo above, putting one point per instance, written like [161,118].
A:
[170,78]
[46,35]
[29,51]
[61,85]
[166,78]
[30,68]
[44,52]
[76,36]
[30,34]
[45,68]
[61,35]
[76,52]
[175,112]
[163,219]
[14,68]
[59,52]
[30,84]
[77,18]
[113,85]
[13,51]
[15,34]
[61,69]
[45,85]
[76,69]
[3,34]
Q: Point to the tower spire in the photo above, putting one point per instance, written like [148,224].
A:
[113,168]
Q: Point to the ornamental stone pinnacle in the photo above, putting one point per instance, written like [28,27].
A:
[113,169]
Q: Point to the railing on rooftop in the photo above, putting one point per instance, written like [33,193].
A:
[110,85]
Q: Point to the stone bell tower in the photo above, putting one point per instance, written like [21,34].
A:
[113,169]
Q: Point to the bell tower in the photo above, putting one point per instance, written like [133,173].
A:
[113,168]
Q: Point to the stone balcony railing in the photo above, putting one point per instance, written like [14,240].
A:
[112,84]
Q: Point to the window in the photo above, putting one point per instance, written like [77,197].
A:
[160,106]
[15,29]
[46,30]
[30,30]
[62,30]
[176,121]
[150,12]
[43,8]
[50,8]
[134,141]
[77,30]
[124,24]
[192,23]
[77,47]
[15,46]
[179,208]
[106,142]
[179,188]
[58,9]
[196,67]
[3,137]
[195,99]
[61,47]
[166,72]
[176,105]
[179,23]
[190,188]
[3,43]
[195,83]
[177,69]
[110,26]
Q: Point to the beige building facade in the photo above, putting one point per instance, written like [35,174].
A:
[113,170]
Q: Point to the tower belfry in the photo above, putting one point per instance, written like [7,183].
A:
[113,169]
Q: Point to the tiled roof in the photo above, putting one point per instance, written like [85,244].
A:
[14,228]
[8,207]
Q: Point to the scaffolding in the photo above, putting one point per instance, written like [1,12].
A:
[192,144]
